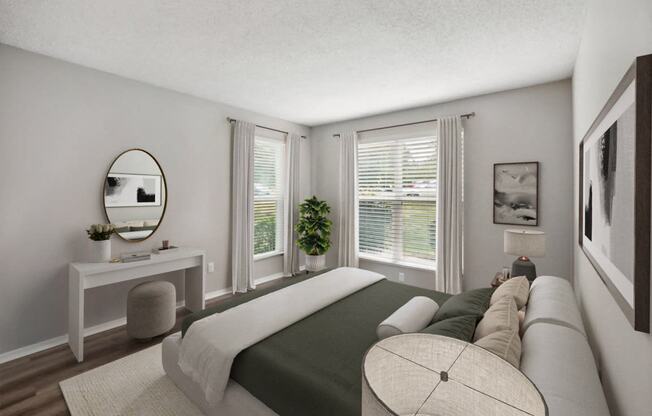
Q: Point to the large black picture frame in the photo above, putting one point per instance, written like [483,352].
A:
[638,77]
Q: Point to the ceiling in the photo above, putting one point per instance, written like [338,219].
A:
[309,61]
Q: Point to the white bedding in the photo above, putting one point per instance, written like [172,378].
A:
[211,344]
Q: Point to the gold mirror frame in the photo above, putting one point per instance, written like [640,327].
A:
[165,187]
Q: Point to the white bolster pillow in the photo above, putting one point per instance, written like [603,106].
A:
[415,315]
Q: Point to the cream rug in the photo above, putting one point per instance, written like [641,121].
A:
[134,385]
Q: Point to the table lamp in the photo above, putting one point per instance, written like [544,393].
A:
[525,244]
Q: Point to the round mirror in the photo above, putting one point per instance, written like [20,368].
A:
[135,195]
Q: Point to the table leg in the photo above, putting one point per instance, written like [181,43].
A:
[76,314]
[194,282]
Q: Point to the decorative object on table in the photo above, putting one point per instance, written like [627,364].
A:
[100,235]
[151,309]
[516,193]
[506,272]
[135,256]
[163,250]
[614,191]
[165,244]
[314,230]
[135,194]
[525,244]
[436,375]
[499,279]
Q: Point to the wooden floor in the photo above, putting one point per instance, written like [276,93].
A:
[30,385]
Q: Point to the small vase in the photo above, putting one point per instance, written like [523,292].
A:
[315,263]
[100,251]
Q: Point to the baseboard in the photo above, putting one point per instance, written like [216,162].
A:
[105,326]
[60,340]
[269,278]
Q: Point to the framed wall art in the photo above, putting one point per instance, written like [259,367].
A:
[130,190]
[614,193]
[516,193]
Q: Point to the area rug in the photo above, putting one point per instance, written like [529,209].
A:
[133,385]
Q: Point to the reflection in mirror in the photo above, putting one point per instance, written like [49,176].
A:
[135,195]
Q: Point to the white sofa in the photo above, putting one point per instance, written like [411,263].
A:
[556,354]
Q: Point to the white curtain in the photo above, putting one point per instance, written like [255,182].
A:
[292,195]
[242,226]
[450,211]
[348,204]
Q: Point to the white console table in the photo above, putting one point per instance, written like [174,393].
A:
[83,276]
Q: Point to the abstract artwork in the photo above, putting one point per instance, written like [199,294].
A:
[516,193]
[129,190]
[614,211]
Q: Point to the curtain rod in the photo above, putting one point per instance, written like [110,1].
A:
[232,120]
[467,115]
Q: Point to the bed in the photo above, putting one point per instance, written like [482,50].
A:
[311,367]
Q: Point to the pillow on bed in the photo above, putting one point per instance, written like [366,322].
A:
[459,327]
[504,343]
[501,315]
[516,287]
[411,317]
[471,302]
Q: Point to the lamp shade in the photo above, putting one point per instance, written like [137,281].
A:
[525,243]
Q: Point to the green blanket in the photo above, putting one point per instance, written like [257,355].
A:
[314,366]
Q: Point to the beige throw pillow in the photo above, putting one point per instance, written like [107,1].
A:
[503,314]
[504,343]
[516,287]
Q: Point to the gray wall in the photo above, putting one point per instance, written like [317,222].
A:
[61,125]
[615,32]
[526,124]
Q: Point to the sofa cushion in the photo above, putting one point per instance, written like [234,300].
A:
[471,302]
[552,301]
[501,315]
[516,287]
[560,363]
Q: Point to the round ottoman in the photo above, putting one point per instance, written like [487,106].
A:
[151,309]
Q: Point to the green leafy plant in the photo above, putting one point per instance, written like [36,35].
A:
[265,233]
[314,227]
[100,232]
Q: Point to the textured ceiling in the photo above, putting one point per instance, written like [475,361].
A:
[309,61]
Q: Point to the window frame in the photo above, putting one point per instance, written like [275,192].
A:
[398,257]
[261,136]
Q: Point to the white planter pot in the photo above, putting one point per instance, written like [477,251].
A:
[315,263]
[100,251]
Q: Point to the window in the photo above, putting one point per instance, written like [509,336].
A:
[268,196]
[397,188]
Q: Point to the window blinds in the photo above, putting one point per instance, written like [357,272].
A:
[268,195]
[397,188]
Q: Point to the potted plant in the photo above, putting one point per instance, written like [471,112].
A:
[314,230]
[100,234]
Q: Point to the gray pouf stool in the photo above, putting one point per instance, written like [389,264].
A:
[151,309]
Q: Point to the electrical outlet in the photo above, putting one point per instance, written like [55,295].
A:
[211,267]
[401,277]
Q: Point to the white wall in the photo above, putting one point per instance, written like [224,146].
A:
[61,125]
[526,124]
[615,32]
